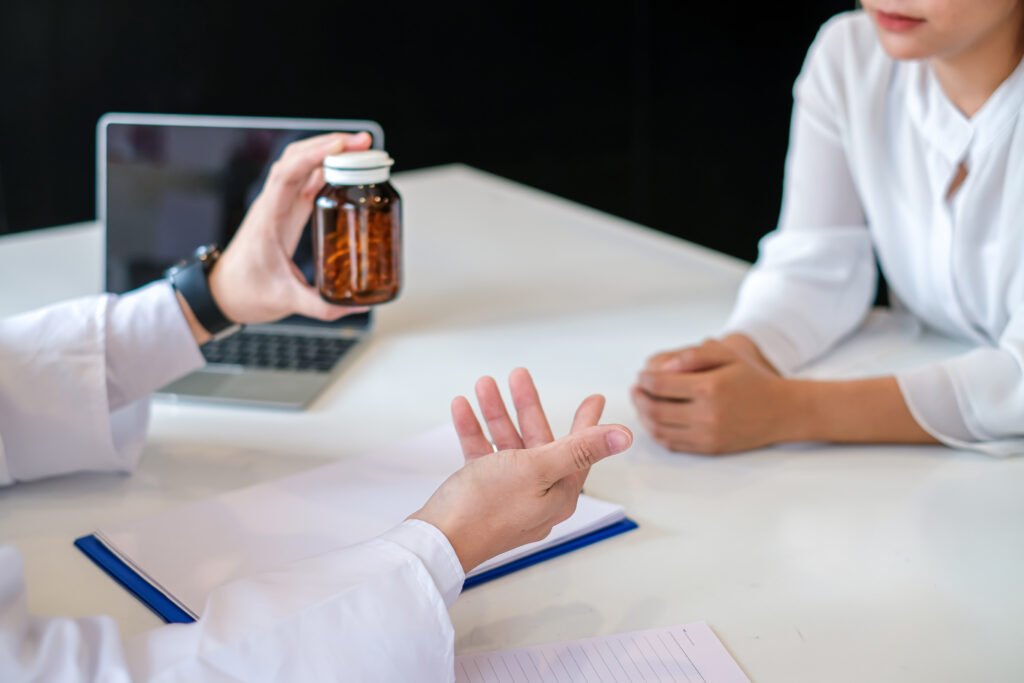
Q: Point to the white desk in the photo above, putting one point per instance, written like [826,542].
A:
[811,563]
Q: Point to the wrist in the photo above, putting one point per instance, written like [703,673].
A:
[199,333]
[192,283]
[801,418]
[867,410]
[465,550]
[219,291]
[748,348]
[433,549]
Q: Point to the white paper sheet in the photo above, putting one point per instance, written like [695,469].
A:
[688,654]
[189,550]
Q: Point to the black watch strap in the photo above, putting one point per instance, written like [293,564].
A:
[192,282]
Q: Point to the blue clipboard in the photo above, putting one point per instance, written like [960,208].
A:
[171,613]
[152,598]
[554,551]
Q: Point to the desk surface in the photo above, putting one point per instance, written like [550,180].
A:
[812,563]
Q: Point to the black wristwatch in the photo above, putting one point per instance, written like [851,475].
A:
[192,280]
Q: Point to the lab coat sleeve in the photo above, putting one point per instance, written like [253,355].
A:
[814,280]
[372,612]
[975,400]
[75,377]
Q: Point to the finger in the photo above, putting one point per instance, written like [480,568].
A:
[674,413]
[298,161]
[667,434]
[662,361]
[692,445]
[499,424]
[686,439]
[589,413]
[471,435]
[707,356]
[290,226]
[324,139]
[298,216]
[678,439]
[359,142]
[332,141]
[304,299]
[297,176]
[577,452]
[313,185]
[533,423]
[677,386]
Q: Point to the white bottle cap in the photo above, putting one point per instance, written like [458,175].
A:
[358,168]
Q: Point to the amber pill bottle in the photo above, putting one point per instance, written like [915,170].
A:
[357,230]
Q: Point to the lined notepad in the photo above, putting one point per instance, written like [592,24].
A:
[688,654]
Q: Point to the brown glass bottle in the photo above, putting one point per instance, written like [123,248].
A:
[357,231]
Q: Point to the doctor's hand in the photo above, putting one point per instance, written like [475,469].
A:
[721,396]
[255,280]
[501,500]
[533,429]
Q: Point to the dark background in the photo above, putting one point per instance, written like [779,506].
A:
[670,114]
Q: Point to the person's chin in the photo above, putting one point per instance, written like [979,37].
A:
[904,47]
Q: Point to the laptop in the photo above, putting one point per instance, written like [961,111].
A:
[167,184]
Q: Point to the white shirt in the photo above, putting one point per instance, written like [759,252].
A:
[874,147]
[73,385]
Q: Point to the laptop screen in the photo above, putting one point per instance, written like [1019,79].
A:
[171,188]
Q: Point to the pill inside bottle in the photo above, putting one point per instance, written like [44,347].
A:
[357,230]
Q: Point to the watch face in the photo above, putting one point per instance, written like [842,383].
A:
[206,251]
[207,255]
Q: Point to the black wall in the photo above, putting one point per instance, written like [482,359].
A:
[667,113]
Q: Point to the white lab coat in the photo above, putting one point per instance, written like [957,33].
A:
[73,385]
[874,147]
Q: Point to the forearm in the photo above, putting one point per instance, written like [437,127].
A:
[850,411]
[870,410]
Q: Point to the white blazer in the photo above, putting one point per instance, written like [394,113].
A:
[73,385]
[874,146]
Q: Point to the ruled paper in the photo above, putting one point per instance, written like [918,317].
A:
[686,654]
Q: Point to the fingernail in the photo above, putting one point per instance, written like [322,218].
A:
[618,440]
[674,364]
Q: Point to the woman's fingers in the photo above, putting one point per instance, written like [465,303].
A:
[471,436]
[668,412]
[533,423]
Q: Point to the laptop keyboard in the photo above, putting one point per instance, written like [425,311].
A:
[278,351]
